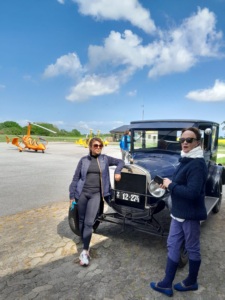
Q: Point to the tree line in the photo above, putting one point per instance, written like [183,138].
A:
[13,128]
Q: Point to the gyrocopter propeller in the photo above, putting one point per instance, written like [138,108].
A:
[27,142]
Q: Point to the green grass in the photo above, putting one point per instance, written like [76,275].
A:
[221,161]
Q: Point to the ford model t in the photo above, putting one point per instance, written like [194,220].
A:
[137,199]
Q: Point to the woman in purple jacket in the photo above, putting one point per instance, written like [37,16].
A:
[90,183]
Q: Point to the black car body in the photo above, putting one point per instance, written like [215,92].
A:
[155,151]
[137,200]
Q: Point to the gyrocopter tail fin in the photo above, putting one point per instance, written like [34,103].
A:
[15,142]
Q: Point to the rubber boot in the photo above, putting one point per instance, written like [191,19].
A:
[165,286]
[190,283]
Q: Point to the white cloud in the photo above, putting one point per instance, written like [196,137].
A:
[132,93]
[123,54]
[98,85]
[213,94]
[2,86]
[23,122]
[122,49]
[65,65]
[61,1]
[182,47]
[93,85]
[174,51]
[128,10]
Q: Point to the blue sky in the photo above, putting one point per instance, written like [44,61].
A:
[99,64]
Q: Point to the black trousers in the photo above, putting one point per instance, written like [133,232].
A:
[88,206]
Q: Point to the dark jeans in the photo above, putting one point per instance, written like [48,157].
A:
[188,231]
[88,206]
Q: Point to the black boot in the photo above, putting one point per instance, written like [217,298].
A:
[190,283]
[165,286]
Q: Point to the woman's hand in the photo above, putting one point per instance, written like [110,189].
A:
[117,177]
[166,183]
[71,201]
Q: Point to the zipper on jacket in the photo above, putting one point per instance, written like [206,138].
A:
[101,179]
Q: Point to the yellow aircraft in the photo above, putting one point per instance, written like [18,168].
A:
[27,142]
[85,142]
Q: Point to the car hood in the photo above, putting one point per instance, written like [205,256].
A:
[163,165]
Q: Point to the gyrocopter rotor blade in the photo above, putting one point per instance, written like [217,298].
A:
[43,127]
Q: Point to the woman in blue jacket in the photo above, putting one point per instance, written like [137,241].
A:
[90,183]
[187,190]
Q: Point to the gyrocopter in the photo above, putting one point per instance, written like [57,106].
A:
[27,142]
[85,142]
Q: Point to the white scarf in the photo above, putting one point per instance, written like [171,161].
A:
[195,152]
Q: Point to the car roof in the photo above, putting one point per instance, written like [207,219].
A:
[170,123]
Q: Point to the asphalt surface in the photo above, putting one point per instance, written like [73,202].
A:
[39,253]
[29,179]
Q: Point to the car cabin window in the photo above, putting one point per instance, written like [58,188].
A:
[156,139]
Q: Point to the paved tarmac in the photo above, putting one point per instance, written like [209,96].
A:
[29,179]
[39,256]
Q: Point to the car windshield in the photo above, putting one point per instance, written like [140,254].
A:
[161,139]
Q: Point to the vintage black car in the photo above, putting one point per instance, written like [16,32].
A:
[137,199]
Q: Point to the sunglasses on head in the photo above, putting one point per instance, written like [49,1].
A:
[188,140]
[97,146]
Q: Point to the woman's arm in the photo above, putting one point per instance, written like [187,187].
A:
[119,163]
[76,177]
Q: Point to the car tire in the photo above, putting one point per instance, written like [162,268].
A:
[73,218]
[219,194]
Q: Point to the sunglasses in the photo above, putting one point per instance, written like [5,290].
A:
[188,140]
[97,146]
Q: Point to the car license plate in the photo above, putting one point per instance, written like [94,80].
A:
[127,196]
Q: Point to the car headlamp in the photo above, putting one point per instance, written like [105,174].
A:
[155,190]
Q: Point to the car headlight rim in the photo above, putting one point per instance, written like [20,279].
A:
[155,190]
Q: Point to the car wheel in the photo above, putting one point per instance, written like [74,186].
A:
[73,219]
[216,208]
[183,256]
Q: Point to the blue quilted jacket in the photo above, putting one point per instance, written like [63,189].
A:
[188,189]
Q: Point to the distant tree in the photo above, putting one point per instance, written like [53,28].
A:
[13,128]
[9,124]
[63,132]
[75,132]
[10,127]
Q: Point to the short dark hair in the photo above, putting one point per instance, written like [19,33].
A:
[195,130]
